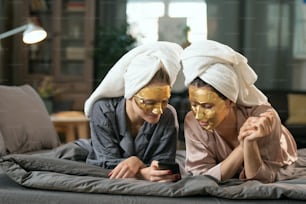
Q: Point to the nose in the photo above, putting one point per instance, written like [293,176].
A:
[199,113]
[158,109]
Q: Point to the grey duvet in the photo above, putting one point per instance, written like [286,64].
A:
[64,169]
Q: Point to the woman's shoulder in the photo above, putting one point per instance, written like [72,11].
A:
[108,101]
[107,104]
[244,112]
[256,110]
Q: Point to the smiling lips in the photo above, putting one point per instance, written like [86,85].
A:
[203,123]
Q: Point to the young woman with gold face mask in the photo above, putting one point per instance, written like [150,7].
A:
[231,131]
[132,125]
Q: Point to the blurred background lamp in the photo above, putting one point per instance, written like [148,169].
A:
[32,33]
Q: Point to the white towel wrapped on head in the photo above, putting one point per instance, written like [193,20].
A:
[224,69]
[135,70]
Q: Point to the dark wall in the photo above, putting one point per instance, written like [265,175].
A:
[110,12]
[5,16]
[223,22]
[11,53]
[110,26]
[262,31]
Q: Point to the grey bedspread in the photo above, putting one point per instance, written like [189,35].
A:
[64,169]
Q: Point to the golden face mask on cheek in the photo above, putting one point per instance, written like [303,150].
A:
[153,99]
[208,108]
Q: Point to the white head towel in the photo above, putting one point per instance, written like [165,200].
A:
[135,69]
[223,68]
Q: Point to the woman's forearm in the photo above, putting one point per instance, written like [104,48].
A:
[252,158]
[232,163]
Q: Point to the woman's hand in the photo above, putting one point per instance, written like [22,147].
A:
[253,129]
[256,127]
[153,173]
[127,168]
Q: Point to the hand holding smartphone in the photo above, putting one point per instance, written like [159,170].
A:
[174,167]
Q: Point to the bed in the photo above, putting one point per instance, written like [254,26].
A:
[61,176]
[36,168]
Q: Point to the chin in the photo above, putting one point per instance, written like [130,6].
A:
[152,119]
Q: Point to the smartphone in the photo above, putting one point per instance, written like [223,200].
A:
[174,167]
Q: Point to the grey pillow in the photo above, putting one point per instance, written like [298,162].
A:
[24,121]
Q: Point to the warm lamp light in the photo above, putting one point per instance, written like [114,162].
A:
[32,33]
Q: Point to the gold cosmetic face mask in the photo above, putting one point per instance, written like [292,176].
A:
[153,98]
[208,108]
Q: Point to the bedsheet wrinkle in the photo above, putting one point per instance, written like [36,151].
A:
[64,169]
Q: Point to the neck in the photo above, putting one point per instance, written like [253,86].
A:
[134,122]
[228,128]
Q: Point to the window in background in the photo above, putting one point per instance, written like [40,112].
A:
[188,17]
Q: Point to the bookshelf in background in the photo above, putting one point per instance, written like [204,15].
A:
[66,55]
